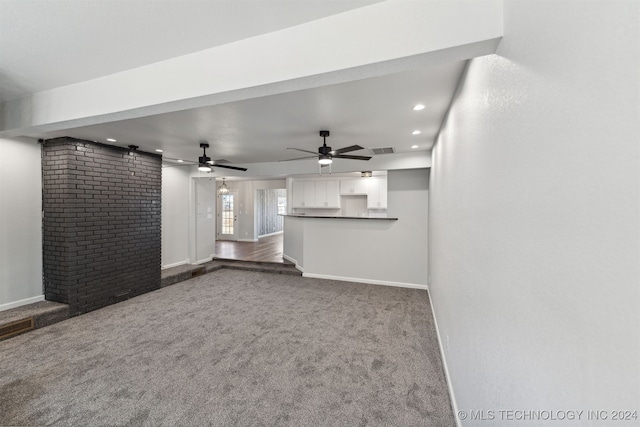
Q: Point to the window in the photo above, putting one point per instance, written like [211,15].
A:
[282,205]
[227,214]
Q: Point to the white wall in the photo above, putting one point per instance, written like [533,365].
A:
[20,222]
[175,216]
[534,216]
[371,251]
[205,200]
[293,241]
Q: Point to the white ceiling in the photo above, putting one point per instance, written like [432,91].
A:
[372,113]
[51,43]
[47,44]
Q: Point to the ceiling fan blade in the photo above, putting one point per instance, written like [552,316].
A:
[347,149]
[229,167]
[300,158]
[342,156]
[304,151]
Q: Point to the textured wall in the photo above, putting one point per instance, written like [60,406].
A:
[534,216]
[101,223]
[266,206]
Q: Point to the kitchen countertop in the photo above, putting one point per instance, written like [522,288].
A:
[340,217]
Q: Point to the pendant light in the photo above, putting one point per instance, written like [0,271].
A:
[223,189]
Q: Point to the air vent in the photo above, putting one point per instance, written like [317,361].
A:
[14,328]
[198,272]
[386,150]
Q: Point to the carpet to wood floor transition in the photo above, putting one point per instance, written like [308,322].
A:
[234,348]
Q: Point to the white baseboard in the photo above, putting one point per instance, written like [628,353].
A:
[288,258]
[202,261]
[247,240]
[175,264]
[21,302]
[452,395]
[368,281]
[270,234]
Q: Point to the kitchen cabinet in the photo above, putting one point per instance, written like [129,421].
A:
[315,194]
[297,194]
[303,194]
[377,193]
[327,194]
[352,187]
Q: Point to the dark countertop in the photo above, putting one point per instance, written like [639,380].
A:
[340,217]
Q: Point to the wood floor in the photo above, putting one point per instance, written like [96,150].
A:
[266,249]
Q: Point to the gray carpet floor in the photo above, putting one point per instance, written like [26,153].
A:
[234,348]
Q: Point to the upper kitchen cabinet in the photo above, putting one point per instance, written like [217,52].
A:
[377,193]
[352,187]
[303,194]
[315,194]
[327,194]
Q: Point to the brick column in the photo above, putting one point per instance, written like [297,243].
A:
[101,223]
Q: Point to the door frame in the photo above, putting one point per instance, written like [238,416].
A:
[229,237]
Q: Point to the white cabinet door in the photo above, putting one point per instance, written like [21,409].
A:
[353,186]
[333,194]
[297,194]
[377,193]
[321,194]
[327,194]
[309,194]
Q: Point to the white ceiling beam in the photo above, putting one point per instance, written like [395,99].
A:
[380,39]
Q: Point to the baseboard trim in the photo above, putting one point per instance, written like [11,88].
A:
[202,261]
[452,396]
[288,258]
[20,303]
[270,234]
[368,281]
[247,240]
[175,264]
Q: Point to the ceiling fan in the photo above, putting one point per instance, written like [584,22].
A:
[205,163]
[326,155]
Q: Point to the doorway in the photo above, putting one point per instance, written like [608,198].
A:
[266,244]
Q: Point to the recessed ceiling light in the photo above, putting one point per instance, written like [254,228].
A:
[159,150]
[180,161]
[111,140]
[414,146]
[418,107]
[415,132]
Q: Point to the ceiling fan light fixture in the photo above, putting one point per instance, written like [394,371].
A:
[204,167]
[325,160]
